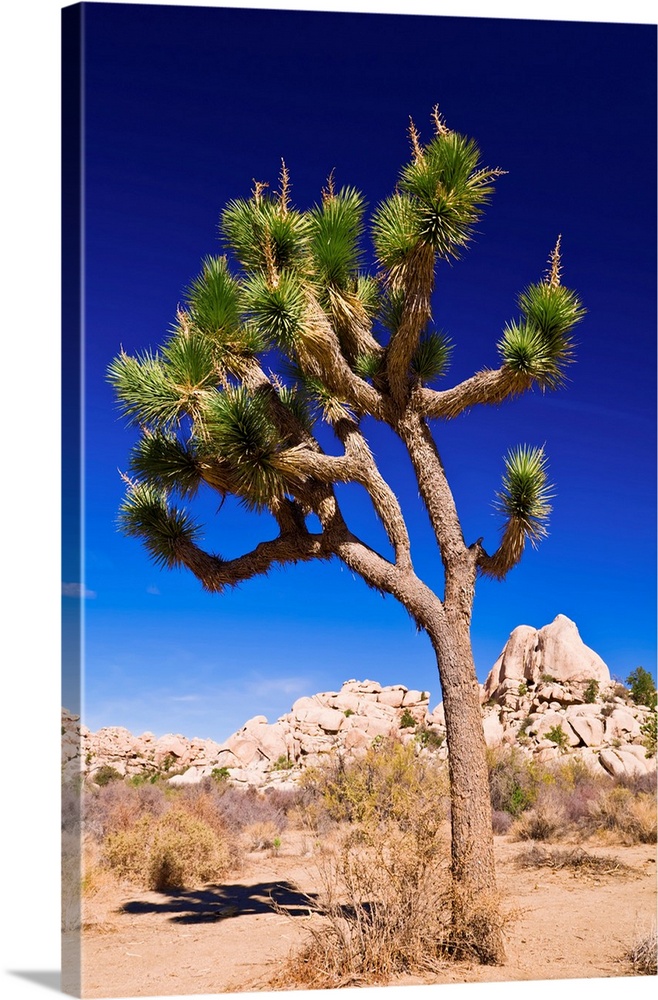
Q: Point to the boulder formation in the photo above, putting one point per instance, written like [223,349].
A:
[548,694]
[552,654]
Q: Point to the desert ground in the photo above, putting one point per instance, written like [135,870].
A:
[229,937]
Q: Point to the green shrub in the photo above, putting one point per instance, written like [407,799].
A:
[407,720]
[429,737]
[548,679]
[168,762]
[642,687]
[557,735]
[219,774]
[105,774]
[591,692]
[282,763]
[348,712]
[514,781]
[387,783]
[523,689]
[648,730]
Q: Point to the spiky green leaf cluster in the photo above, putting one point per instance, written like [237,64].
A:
[322,402]
[525,494]
[369,365]
[213,300]
[294,400]
[432,356]
[440,198]
[395,230]
[161,460]
[275,310]
[145,393]
[335,231]
[157,390]
[240,431]
[540,344]
[449,188]
[392,309]
[261,226]
[368,292]
[146,514]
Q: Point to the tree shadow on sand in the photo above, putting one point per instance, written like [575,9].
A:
[217,902]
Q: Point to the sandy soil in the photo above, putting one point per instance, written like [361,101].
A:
[227,938]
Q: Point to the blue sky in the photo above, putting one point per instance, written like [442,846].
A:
[184,106]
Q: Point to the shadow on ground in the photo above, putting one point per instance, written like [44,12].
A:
[48,978]
[218,902]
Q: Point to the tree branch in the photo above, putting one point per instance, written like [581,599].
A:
[484,387]
[215,573]
[320,355]
[417,280]
[507,555]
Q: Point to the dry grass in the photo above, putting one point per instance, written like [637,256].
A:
[564,800]
[261,835]
[642,956]
[630,818]
[383,908]
[385,899]
[173,851]
[574,859]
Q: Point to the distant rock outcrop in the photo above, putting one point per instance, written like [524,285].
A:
[547,693]
[554,654]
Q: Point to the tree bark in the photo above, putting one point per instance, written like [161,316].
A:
[476,914]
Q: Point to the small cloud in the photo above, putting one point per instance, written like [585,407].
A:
[184,697]
[76,590]
[153,590]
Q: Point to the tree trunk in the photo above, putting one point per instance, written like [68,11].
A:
[476,915]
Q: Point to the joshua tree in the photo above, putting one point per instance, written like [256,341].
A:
[347,345]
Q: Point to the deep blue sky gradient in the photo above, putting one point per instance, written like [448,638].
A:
[183,107]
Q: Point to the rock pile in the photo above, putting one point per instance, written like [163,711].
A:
[547,693]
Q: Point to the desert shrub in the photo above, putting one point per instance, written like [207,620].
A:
[618,690]
[284,800]
[117,805]
[537,824]
[386,907]
[637,783]
[642,955]
[105,774]
[591,692]
[260,835]
[428,737]
[407,720]
[219,774]
[575,859]
[547,817]
[282,763]
[203,802]
[523,689]
[384,784]
[557,735]
[629,816]
[173,851]
[501,822]
[649,734]
[514,780]
[642,687]
[240,807]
